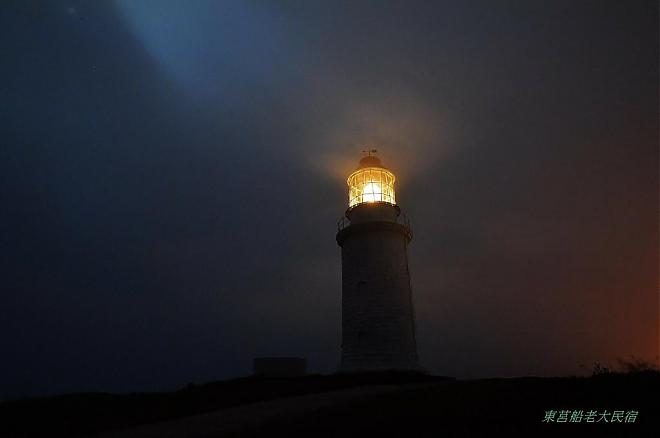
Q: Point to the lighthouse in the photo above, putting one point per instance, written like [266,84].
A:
[378,320]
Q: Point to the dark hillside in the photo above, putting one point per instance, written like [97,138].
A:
[413,405]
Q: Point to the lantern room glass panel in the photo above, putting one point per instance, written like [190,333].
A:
[371,184]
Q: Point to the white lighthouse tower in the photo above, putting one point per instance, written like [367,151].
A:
[378,321]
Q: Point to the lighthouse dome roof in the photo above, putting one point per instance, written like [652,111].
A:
[370,161]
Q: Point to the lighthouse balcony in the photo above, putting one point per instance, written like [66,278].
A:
[381,215]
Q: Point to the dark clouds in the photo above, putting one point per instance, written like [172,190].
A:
[171,174]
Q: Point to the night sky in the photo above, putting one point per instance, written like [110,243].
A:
[171,174]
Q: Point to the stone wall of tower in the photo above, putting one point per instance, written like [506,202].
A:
[378,327]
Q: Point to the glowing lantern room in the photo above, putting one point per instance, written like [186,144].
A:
[371,182]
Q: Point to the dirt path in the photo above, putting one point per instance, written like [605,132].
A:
[244,418]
